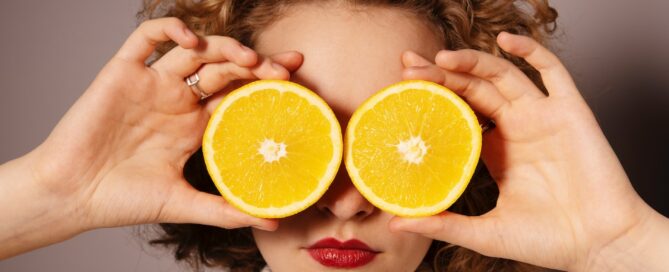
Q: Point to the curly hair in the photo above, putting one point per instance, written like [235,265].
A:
[463,24]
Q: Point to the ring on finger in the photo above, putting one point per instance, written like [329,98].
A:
[192,82]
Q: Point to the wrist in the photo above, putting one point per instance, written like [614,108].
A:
[642,247]
[32,215]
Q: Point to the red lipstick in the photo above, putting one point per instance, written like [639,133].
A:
[350,254]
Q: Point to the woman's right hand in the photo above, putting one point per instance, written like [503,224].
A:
[116,157]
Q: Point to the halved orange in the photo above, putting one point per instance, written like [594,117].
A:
[412,148]
[272,148]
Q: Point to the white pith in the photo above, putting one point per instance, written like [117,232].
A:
[412,150]
[272,151]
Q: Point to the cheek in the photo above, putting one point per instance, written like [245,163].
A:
[281,246]
[272,243]
[270,247]
[411,249]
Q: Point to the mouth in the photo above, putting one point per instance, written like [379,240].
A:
[349,254]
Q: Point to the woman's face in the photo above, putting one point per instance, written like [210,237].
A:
[348,56]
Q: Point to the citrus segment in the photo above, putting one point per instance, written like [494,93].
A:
[272,148]
[412,148]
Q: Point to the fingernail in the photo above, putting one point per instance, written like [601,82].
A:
[247,57]
[266,227]
[444,52]
[260,227]
[411,54]
[442,55]
[188,32]
[244,47]
[277,66]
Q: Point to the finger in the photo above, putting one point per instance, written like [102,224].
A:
[429,73]
[417,67]
[509,80]
[142,42]
[466,231]
[410,58]
[191,206]
[481,95]
[555,76]
[214,77]
[290,60]
[184,62]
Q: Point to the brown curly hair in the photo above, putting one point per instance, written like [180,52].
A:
[464,24]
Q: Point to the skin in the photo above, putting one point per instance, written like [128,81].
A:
[115,158]
[328,36]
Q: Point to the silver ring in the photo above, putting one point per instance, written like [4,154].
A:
[192,81]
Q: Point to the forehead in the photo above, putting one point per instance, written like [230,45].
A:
[349,53]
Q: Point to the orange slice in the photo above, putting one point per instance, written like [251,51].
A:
[412,148]
[272,148]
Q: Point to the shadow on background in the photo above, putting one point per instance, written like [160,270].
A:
[634,114]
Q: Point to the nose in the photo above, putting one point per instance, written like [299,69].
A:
[343,201]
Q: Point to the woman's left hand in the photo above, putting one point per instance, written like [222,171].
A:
[564,196]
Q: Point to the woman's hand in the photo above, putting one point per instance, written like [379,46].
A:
[564,200]
[116,157]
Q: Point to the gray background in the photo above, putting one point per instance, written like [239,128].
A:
[51,50]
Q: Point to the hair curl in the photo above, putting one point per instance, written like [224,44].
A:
[464,24]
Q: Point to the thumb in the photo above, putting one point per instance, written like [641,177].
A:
[453,228]
[291,60]
[188,205]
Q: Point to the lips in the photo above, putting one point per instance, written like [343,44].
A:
[349,254]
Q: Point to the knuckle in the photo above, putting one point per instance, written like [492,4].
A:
[174,21]
[496,112]
[146,24]
[233,221]
[229,225]
[504,70]
[532,42]
[469,87]
[435,75]
[436,226]
[191,55]
[149,26]
[223,70]
[470,54]
[143,29]
[468,51]
[467,59]
[230,71]
[230,40]
[226,43]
